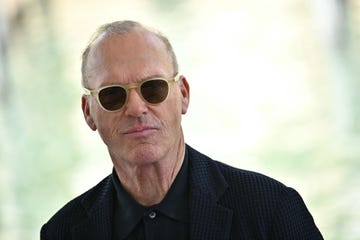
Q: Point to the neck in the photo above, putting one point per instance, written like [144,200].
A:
[148,184]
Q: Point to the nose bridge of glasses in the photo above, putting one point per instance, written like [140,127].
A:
[136,87]
[132,85]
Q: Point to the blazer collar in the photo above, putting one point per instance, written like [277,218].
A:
[208,219]
[98,206]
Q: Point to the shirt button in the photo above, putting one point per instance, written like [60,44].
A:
[152,215]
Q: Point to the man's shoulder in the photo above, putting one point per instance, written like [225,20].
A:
[76,210]
[248,177]
[255,200]
[238,180]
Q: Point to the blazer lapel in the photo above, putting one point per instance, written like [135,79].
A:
[208,219]
[98,223]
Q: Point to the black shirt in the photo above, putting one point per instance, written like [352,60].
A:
[166,220]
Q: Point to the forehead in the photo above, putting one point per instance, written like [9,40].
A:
[116,58]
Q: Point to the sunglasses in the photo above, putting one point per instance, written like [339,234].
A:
[114,97]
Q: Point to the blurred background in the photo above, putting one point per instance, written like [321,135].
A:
[274,89]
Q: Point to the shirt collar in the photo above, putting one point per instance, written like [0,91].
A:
[128,212]
[175,203]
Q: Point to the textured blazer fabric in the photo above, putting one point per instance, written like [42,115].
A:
[225,203]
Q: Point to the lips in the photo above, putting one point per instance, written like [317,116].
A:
[140,131]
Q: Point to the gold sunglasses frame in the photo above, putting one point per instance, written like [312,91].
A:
[127,87]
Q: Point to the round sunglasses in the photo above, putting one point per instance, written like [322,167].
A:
[114,97]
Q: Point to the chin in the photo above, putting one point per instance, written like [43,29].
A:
[146,154]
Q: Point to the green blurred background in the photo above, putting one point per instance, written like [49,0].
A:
[274,89]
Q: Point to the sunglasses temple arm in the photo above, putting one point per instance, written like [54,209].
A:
[87,91]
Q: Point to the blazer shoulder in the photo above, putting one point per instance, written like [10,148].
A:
[74,211]
[273,207]
[249,178]
[239,183]
[249,186]
[232,175]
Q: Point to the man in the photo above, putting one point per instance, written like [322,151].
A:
[161,188]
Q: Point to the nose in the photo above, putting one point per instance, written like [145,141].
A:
[135,106]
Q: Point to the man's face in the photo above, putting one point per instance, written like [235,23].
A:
[139,133]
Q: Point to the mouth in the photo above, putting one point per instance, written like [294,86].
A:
[140,131]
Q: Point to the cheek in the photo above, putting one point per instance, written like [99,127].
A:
[108,128]
[171,117]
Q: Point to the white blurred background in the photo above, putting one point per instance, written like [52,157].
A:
[274,89]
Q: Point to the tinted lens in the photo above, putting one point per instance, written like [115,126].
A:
[112,98]
[155,91]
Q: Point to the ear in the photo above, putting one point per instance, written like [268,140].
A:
[85,105]
[185,92]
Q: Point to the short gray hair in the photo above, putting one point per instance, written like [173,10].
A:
[122,27]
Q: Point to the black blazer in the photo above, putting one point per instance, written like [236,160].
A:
[225,203]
